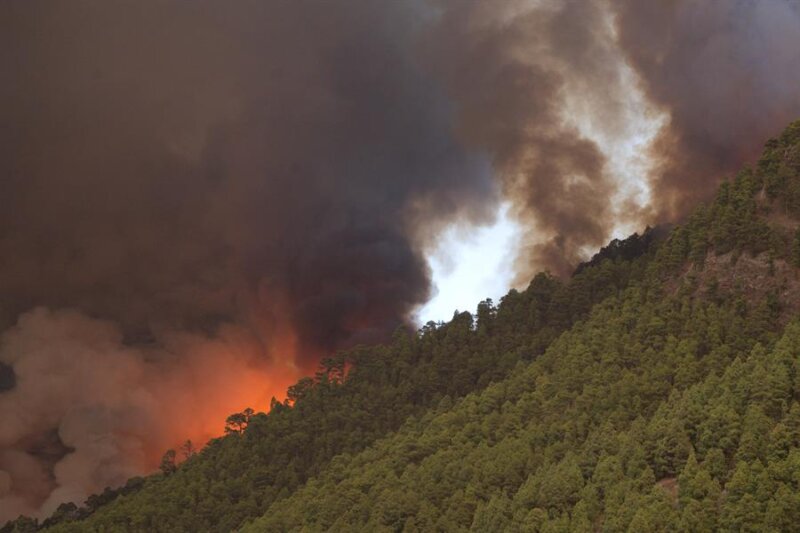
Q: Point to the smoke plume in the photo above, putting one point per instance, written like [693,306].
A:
[175,170]
[198,200]
[726,72]
[510,67]
[575,102]
[89,412]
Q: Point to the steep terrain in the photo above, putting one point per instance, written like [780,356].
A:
[356,397]
[674,406]
[656,390]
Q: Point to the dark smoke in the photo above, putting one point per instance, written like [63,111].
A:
[728,74]
[170,165]
[724,74]
[169,168]
[509,65]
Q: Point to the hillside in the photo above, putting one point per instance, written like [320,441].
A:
[672,407]
[655,390]
[592,435]
[236,478]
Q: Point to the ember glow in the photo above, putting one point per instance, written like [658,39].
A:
[120,407]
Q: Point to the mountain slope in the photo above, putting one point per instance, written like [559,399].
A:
[238,477]
[615,421]
[672,407]
[588,435]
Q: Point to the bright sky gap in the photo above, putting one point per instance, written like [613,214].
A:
[469,265]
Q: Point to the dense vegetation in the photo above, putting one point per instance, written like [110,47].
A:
[592,434]
[654,391]
[238,477]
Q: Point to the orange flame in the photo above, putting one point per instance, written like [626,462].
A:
[219,377]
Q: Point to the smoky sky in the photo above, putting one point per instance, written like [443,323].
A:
[723,77]
[728,74]
[176,165]
[191,192]
[507,68]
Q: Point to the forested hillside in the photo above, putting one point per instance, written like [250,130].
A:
[655,390]
[237,477]
[634,420]
[672,407]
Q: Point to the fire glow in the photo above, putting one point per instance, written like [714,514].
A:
[103,402]
[224,376]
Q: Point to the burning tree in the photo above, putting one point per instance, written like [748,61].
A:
[237,422]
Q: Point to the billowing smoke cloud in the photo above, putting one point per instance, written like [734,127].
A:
[203,197]
[174,168]
[175,165]
[728,74]
[523,75]
[88,412]
[559,93]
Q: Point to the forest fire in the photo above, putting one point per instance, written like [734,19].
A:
[103,411]
[220,380]
[188,221]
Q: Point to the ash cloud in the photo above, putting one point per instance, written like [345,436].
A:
[178,169]
[726,72]
[171,165]
[511,68]
[553,91]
